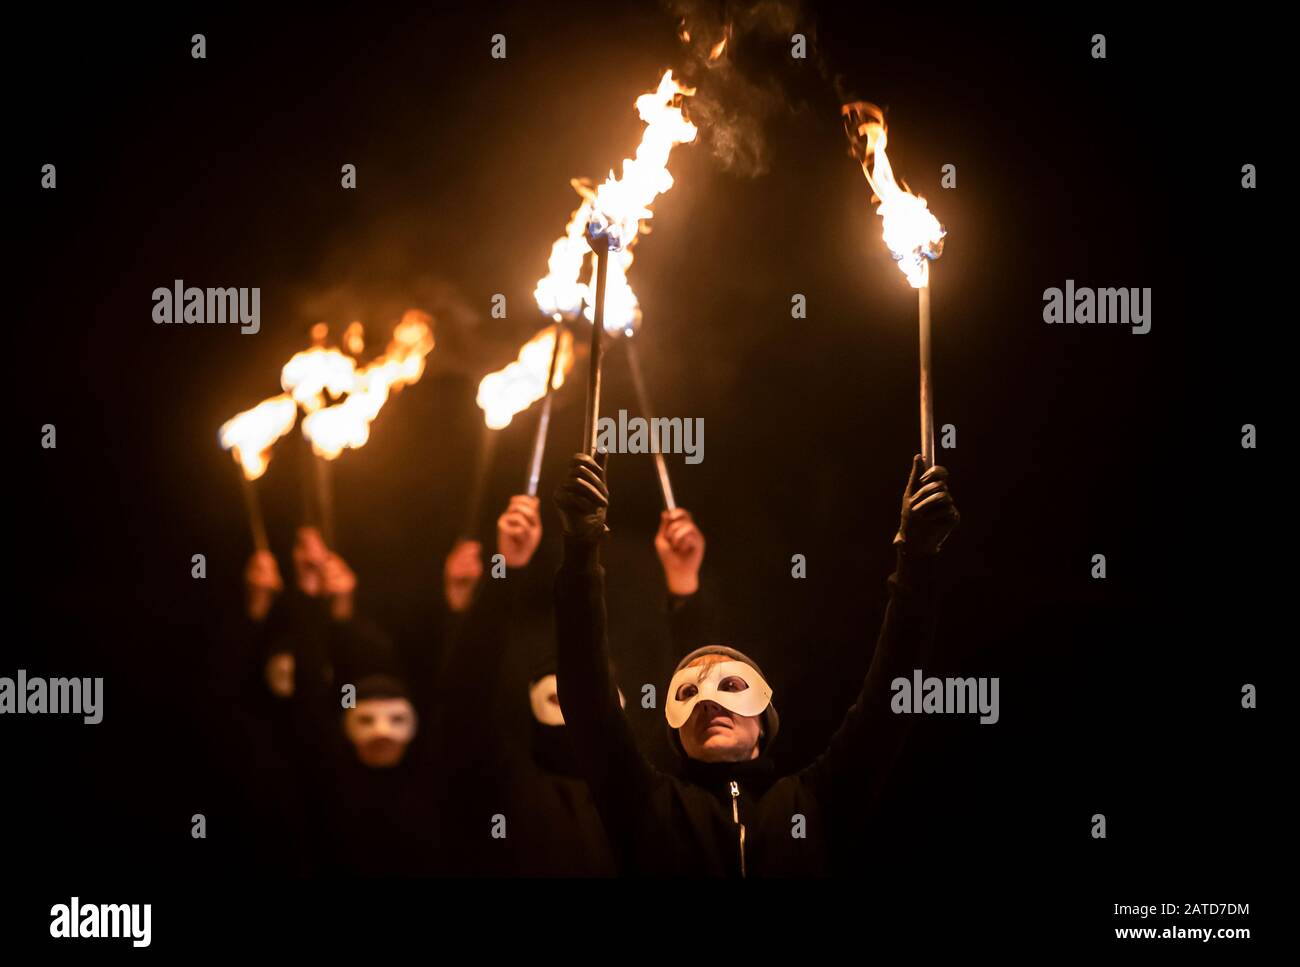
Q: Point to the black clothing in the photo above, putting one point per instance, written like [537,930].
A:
[507,763]
[364,821]
[379,822]
[731,819]
[298,796]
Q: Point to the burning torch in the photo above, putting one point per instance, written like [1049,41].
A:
[561,337]
[608,223]
[911,233]
[249,437]
[602,239]
[345,425]
[313,378]
[541,367]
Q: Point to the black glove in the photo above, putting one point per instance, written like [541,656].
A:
[929,515]
[583,499]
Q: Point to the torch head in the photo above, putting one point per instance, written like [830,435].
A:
[602,234]
[911,232]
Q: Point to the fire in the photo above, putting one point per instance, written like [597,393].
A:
[622,203]
[617,209]
[354,338]
[622,308]
[343,426]
[523,382]
[250,435]
[560,293]
[911,232]
[312,373]
[346,425]
[720,47]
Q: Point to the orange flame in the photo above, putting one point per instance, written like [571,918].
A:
[346,425]
[911,232]
[250,435]
[312,373]
[512,390]
[354,338]
[720,47]
[617,209]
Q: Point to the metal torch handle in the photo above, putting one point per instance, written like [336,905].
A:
[590,427]
[927,394]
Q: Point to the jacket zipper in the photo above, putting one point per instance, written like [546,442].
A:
[735,816]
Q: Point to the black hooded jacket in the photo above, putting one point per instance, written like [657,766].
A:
[732,819]
[279,752]
[508,764]
[364,821]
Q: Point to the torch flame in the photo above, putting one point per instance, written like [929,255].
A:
[503,394]
[720,47]
[622,308]
[312,373]
[622,203]
[617,210]
[346,425]
[354,338]
[342,426]
[911,232]
[250,435]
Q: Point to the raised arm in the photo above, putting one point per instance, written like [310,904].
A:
[680,546]
[618,775]
[472,672]
[861,753]
[236,664]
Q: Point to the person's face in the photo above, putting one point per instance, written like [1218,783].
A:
[544,697]
[714,734]
[380,729]
[279,674]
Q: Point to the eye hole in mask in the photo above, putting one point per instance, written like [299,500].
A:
[732,683]
[735,685]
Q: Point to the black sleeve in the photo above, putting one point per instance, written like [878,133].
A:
[427,654]
[470,680]
[327,654]
[619,777]
[854,767]
[317,706]
[690,622]
[238,659]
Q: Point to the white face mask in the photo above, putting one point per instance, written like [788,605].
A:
[544,696]
[734,685]
[380,729]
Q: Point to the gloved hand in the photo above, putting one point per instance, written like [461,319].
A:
[929,515]
[583,498]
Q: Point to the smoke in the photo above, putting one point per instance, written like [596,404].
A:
[740,60]
[375,281]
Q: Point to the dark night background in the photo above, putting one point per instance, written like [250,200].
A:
[1119,696]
